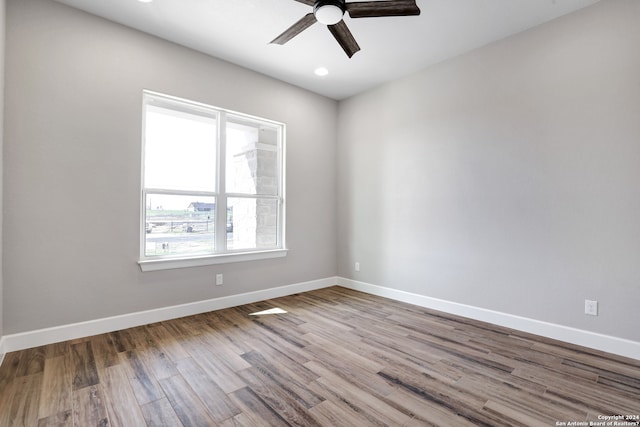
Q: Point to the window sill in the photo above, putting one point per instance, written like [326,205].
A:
[171,263]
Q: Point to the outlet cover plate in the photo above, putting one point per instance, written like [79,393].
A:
[591,307]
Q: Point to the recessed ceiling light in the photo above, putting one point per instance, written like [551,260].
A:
[322,71]
[145,1]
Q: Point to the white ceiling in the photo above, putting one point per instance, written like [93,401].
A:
[239,31]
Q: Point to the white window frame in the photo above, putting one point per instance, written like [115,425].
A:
[222,255]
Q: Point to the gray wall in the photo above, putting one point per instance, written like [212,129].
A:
[507,178]
[72,168]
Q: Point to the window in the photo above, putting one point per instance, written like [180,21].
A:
[212,185]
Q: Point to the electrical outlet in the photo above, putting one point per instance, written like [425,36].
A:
[218,279]
[590,307]
[356,266]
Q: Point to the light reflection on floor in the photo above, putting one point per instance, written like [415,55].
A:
[275,310]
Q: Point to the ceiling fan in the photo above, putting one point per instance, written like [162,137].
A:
[330,13]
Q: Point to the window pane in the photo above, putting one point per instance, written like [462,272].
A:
[254,223]
[180,150]
[252,157]
[179,225]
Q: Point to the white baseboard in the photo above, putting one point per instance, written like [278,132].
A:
[2,351]
[610,344]
[40,337]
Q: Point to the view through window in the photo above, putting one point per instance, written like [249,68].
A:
[212,180]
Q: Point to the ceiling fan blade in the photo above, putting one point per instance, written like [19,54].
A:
[307,2]
[308,20]
[344,37]
[371,9]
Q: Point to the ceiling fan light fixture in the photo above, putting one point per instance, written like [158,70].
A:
[329,12]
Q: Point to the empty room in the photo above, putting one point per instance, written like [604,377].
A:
[320,213]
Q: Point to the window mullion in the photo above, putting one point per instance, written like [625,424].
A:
[253,196]
[221,201]
[180,192]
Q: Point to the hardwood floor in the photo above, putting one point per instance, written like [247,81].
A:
[335,358]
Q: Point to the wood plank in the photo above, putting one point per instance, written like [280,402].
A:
[221,349]
[268,343]
[231,328]
[529,401]
[9,367]
[31,362]
[281,400]
[89,408]
[256,410]
[330,413]
[628,381]
[85,373]
[517,417]
[349,369]
[326,332]
[167,343]
[187,326]
[404,347]
[159,413]
[7,389]
[279,333]
[23,410]
[242,420]
[185,403]
[320,347]
[311,317]
[269,372]
[428,412]
[123,340]
[216,367]
[57,349]
[494,384]
[61,419]
[213,397]
[579,394]
[104,351]
[342,391]
[156,361]
[278,363]
[121,404]
[464,402]
[143,383]
[55,394]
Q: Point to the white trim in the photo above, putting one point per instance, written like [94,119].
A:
[2,350]
[608,343]
[45,336]
[171,263]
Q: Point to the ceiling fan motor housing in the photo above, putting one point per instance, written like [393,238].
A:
[329,12]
